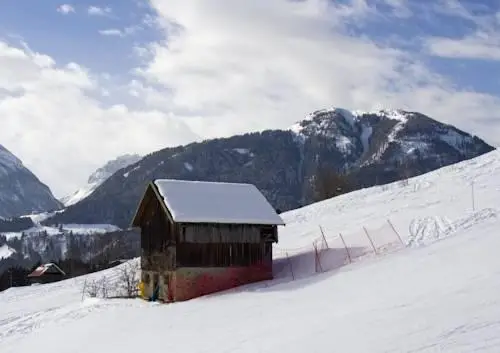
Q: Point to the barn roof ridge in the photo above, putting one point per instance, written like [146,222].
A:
[195,201]
[184,181]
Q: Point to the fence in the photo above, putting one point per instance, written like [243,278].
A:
[329,251]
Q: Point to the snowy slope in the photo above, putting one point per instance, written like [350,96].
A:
[441,296]
[444,194]
[99,177]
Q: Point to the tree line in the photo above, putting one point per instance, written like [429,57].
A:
[75,254]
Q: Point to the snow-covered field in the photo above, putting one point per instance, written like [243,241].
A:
[438,294]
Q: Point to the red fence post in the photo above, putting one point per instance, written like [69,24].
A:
[346,248]
[370,239]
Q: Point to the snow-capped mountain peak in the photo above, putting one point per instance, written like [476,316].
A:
[385,139]
[100,176]
[357,132]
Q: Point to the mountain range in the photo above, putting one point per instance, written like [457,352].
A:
[369,147]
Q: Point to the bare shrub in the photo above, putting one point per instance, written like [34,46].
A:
[126,284]
[92,288]
[104,287]
[97,288]
[129,279]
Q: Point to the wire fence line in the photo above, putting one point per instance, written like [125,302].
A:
[328,251]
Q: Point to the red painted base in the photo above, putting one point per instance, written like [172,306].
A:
[190,283]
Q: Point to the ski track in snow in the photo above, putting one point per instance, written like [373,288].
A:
[439,294]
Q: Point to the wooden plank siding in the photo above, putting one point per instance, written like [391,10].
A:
[219,233]
[222,254]
[158,237]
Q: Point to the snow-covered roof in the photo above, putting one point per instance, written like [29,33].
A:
[216,202]
[40,270]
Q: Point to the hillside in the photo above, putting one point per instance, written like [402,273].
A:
[372,147]
[438,294]
[20,190]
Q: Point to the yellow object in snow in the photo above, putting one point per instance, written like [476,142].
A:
[140,287]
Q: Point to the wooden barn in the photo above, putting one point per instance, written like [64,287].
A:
[202,237]
[46,273]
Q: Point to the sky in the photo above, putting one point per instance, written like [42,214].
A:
[84,82]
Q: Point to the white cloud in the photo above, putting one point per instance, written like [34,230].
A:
[51,122]
[99,11]
[480,45]
[115,32]
[65,9]
[261,64]
[222,67]
[111,32]
[483,41]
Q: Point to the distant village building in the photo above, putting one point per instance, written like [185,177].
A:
[202,237]
[115,263]
[46,273]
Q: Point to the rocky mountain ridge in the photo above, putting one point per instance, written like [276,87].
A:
[371,147]
[21,192]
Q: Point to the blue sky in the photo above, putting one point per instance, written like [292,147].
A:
[106,77]
[75,36]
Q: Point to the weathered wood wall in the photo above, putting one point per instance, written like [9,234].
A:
[219,233]
[224,245]
[157,238]
[222,254]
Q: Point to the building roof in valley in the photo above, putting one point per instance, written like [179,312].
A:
[49,268]
[216,202]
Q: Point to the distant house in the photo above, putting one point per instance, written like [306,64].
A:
[115,263]
[202,237]
[46,273]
